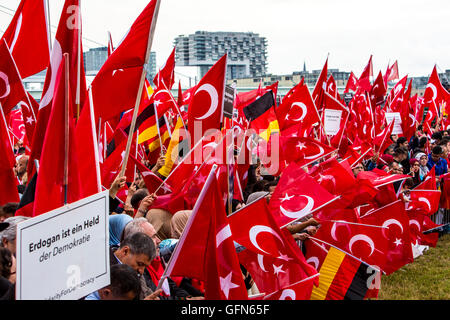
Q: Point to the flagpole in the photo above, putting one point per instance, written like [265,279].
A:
[373,267]
[158,130]
[176,251]
[357,224]
[291,285]
[95,140]
[140,89]
[79,55]
[49,29]
[66,126]
[173,101]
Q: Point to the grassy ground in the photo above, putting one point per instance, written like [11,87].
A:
[427,278]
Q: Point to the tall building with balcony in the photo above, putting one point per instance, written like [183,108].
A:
[247,52]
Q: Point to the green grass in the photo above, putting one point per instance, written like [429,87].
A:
[427,278]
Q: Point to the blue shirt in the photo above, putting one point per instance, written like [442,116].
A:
[440,166]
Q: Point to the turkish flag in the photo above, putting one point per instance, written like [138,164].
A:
[397,91]
[334,176]
[418,223]
[121,73]
[378,91]
[303,151]
[297,291]
[435,95]
[27,33]
[209,256]
[166,75]
[320,87]
[381,178]
[152,181]
[205,111]
[87,147]
[51,183]
[298,110]
[12,91]
[391,73]
[331,87]
[316,252]
[364,78]
[395,223]
[429,182]
[9,181]
[66,41]
[297,195]
[351,83]
[424,201]
[382,140]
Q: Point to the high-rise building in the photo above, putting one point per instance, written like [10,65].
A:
[247,52]
[96,57]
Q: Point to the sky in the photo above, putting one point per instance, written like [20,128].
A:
[414,32]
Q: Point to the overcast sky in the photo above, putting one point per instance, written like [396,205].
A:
[414,32]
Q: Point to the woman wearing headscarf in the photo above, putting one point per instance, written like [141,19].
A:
[414,173]
[423,169]
[117,223]
[178,223]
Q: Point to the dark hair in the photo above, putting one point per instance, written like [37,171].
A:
[401,140]
[138,196]
[5,262]
[408,183]
[259,185]
[437,150]
[436,136]
[21,150]
[444,141]
[123,280]
[400,150]
[423,141]
[140,243]
[10,208]
[419,127]
[270,184]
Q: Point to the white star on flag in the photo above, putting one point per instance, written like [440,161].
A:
[157,103]
[301,146]
[277,270]
[286,197]
[284,257]
[226,284]
[30,120]
[398,242]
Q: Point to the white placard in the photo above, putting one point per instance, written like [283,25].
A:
[64,254]
[390,116]
[332,121]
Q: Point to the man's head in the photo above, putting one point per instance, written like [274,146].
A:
[436,153]
[137,250]
[395,168]
[8,236]
[402,142]
[125,284]
[400,154]
[137,197]
[142,225]
[8,210]
[437,136]
[394,138]
[357,169]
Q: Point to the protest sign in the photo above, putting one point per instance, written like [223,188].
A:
[332,121]
[390,116]
[64,254]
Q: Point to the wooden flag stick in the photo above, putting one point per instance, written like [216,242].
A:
[141,87]
[174,102]
[161,152]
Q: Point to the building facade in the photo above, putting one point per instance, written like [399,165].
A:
[247,52]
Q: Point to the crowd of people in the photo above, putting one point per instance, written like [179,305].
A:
[142,238]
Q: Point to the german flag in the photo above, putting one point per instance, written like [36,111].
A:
[342,277]
[261,114]
[173,145]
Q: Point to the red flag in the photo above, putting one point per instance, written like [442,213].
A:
[435,96]
[12,91]
[87,147]
[121,73]
[152,181]
[319,88]
[351,83]
[66,41]
[205,110]
[298,291]
[424,201]
[303,151]
[165,78]
[395,223]
[332,87]
[9,182]
[209,256]
[28,33]
[378,91]
[51,183]
[297,195]
[429,182]
[298,109]
[364,78]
